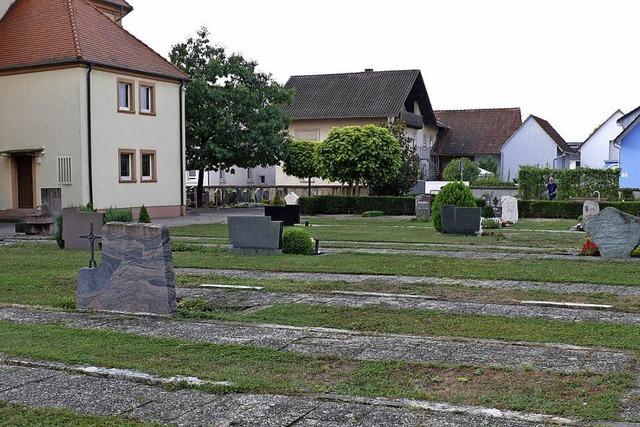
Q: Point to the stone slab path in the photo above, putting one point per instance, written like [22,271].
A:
[45,388]
[254,299]
[561,288]
[349,344]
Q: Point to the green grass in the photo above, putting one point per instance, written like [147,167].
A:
[13,415]
[259,370]
[431,322]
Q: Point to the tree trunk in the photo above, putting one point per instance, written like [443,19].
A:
[309,187]
[200,189]
[358,188]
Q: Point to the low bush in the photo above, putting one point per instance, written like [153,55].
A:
[118,215]
[487,212]
[480,202]
[335,205]
[491,223]
[59,240]
[567,209]
[454,193]
[296,241]
[371,214]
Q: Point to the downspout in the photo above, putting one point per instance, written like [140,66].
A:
[89,148]
[181,147]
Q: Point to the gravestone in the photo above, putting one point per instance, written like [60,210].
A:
[254,235]
[423,207]
[509,209]
[136,274]
[615,232]
[76,223]
[291,199]
[456,220]
[589,210]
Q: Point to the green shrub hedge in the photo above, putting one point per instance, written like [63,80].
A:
[333,205]
[372,214]
[580,183]
[296,241]
[567,209]
[455,194]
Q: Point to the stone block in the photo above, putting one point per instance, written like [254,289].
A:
[136,274]
[76,223]
[457,220]
[289,215]
[423,207]
[589,210]
[615,232]
[509,212]
[291,199]
[254,235]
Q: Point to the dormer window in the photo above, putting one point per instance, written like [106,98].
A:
[125,96]
[147,99]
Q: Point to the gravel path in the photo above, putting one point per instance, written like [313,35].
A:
[561,288]
[255,299]
[355,345]
[44,388]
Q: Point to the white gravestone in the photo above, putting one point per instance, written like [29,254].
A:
[589,210]
[509,209]
[291,199]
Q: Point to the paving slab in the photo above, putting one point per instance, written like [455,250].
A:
[102,396]
[248,299]
[562,288]
[356,345]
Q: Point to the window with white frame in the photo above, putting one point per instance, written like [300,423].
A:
[147,98]
[64,170]
[125,96]
[126,165]
[147,166]
[192,174]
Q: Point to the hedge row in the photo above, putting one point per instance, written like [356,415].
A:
[572,183]
[333,205]
[567,209]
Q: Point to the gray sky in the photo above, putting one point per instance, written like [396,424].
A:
[562,60]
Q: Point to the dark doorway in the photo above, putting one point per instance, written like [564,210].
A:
[24,175]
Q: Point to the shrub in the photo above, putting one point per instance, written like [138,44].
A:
[335,205]
[491,223]
[627,195]
[277,200]
[489,164]
[118,215]
[487,212]
[88,208]
[371,214]
[589,248]
[59,232]
[452,171]
[296,241]
[454,193]
[491,182]
[144,217]
[572,183]
[567,209]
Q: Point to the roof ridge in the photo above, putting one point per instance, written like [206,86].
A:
[74,29]
[484,109]
[353,73]
[134,37]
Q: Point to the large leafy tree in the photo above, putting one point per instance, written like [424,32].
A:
[233,112]
[470,170]
[409,172]
[301,160]
[359,154]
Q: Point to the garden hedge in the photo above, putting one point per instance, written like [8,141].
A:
[333,205]
[567,209]
[572,183]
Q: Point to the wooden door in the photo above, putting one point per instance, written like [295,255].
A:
[24,175]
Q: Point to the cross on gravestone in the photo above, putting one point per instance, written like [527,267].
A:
[91,237]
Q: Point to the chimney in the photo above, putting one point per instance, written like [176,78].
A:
[4,6]
[368,70]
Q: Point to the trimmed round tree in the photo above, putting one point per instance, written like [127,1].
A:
[470,170]
[454,193]
[301,160]
[358,154]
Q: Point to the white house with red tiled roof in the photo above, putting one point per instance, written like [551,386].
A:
[88,113]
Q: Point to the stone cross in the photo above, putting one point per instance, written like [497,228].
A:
[91,237]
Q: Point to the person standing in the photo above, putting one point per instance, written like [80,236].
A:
[552,188]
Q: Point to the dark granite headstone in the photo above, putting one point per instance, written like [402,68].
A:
[136,273]
[254,235]
[289,214]
[456,220]
[615,232]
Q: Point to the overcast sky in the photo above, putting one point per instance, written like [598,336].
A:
[563,60]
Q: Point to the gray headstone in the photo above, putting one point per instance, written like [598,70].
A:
[76,223]
[291,199]
[456,220]
[509,209]
[615,232]
[423,207]
[136,274]
[589,210]
[254,235]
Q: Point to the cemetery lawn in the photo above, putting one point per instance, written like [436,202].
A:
[434,323]
[258,370]
[11,415]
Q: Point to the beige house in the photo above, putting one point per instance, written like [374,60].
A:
[88,113]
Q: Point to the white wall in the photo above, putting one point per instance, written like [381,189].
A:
[44,109]
[113,130]
[598,149]
[530,145]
